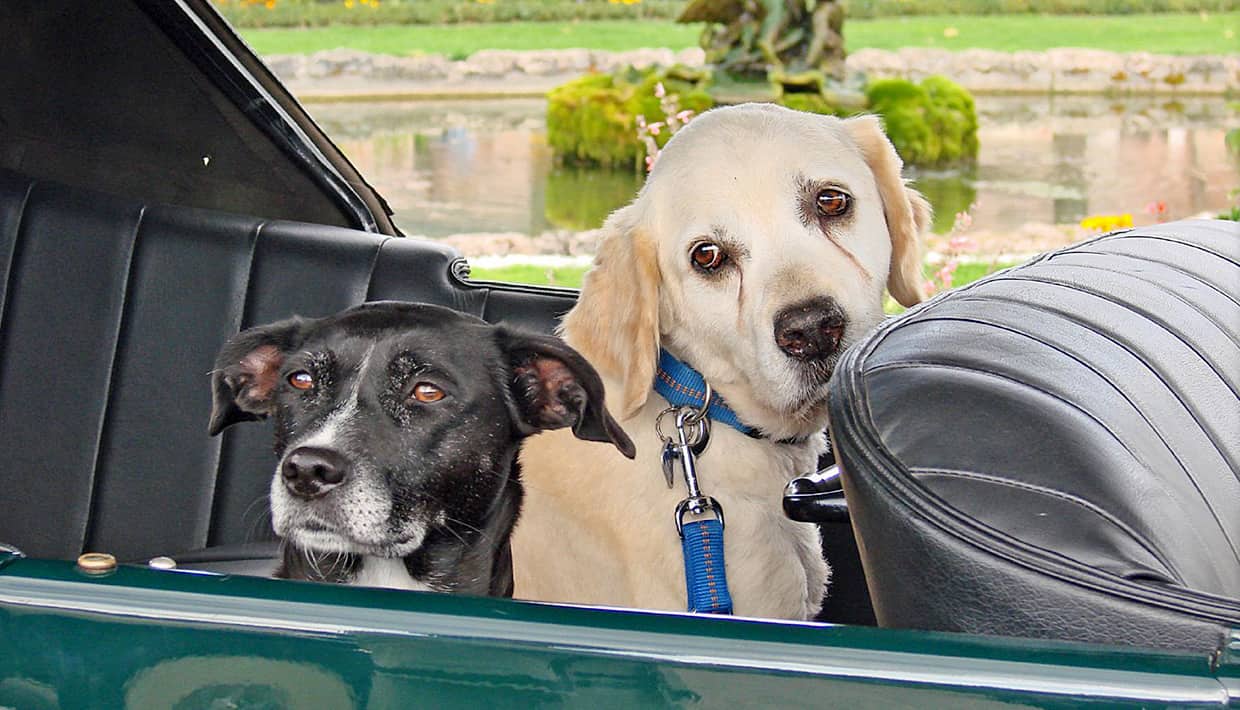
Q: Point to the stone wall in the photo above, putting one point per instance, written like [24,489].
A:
[342,72]
[1058,70]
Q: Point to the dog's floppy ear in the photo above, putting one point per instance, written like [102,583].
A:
[615,323]
[908,213]
[246,371]
[553,386]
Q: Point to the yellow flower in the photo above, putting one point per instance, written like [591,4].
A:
[1107,222]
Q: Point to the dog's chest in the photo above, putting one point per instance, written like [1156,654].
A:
[387,572]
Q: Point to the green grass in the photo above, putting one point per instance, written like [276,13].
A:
[461,40]
[1162,34]
[568,276]
[1167,33]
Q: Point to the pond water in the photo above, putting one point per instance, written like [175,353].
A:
[470,166]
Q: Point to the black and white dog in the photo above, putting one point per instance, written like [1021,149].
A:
[397,428]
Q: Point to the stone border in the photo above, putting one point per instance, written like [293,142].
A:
[347,74]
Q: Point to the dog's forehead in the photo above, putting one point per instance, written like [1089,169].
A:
[388,329]
[740,139]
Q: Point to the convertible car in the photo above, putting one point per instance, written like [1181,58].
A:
[1035,503]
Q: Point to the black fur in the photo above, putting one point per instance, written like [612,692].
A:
[446,469]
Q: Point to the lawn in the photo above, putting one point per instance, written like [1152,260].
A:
[1216,33]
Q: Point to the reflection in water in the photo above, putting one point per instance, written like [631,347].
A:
[449,167]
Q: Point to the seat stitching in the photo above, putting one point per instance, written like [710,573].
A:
[1165,264]
[374,264]
[1169,240]
[10,277]
[221,450]
[90,529]
[1062,495]
[1150,316]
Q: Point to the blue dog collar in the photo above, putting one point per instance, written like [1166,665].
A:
[681,385]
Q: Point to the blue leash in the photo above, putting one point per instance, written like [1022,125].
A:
[693,403]
[705,573]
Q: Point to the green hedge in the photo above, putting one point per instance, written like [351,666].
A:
[318,13]
[313,13]
[860,9]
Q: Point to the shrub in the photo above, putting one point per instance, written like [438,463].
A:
[593,120]
[813,103]
[931,124]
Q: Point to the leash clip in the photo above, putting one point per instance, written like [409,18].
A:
[697,506]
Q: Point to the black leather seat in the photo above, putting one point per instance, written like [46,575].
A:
[113,312]
[1054,451]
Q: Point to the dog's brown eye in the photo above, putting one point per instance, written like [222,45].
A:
[833,203]
[426,392]
[707,256]
[301,380]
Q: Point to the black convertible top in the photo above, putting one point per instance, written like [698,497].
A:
[159,100]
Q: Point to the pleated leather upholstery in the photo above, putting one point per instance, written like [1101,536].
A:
[1055,450]
[112,313]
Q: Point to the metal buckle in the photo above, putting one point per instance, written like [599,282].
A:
[697,505]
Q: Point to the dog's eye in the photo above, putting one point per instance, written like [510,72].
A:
[426,392]
[708,256]
[833,203]
[301,380]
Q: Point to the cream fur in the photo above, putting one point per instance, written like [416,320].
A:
[597,528]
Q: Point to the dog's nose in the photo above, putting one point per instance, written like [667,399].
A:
[311,472]
[810,330]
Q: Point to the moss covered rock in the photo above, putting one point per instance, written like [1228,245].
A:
[593,120]
[931,124]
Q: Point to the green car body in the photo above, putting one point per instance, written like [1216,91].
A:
[141,638]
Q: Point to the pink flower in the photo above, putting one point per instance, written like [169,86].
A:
[963,220]
[654,128]
[684,116]
[961,243]
[659,91]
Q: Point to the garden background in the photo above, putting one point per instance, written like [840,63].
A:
[1090,114]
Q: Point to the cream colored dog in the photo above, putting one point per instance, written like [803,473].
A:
[758,248]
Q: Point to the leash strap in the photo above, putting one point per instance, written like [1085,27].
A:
[702,541]
[682,386]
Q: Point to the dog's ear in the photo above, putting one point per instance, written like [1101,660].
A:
[553,387]
[615,323]
[246,372]
[908,213]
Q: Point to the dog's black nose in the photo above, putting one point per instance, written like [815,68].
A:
[311,472]
[810,330]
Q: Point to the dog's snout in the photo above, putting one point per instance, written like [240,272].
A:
[810,330]
[311,472]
